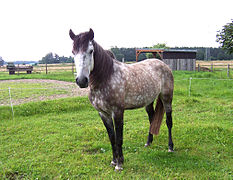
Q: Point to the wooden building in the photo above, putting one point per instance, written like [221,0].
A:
[176,59]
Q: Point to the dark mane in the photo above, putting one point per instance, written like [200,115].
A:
[110,53]
[103,66]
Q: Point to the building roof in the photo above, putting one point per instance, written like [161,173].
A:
[165,50]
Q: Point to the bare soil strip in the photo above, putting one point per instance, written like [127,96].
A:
[66,89]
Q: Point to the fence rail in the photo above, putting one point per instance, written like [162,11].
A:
[200,66]
[47,68]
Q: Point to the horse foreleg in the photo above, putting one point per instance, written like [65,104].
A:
[118,119]
[150,111]
[108,123]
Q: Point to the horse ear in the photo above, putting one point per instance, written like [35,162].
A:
[72,35]
[91,34]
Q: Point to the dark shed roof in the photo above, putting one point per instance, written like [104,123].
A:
[175,54]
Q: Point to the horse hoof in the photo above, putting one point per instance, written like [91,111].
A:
[118,168]
[170,150]
[113,164]
[146,145]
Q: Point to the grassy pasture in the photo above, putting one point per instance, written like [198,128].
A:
[61,139]
[60,75]
[29,90]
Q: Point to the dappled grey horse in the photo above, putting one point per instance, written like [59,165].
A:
[115,87]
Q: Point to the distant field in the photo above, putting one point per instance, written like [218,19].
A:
[216,64]
[41,68]
[33,90]
[58,75]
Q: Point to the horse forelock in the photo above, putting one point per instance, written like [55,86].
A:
[81,42]
[103,66]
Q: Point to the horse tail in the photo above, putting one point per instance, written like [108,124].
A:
[157,118]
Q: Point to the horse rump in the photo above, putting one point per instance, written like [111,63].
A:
[158,117]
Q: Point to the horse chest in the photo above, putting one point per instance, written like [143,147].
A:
[105,100]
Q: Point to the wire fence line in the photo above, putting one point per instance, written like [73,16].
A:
[207,87]
[211,66]
[12,96]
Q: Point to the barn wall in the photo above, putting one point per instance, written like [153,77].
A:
[181,64]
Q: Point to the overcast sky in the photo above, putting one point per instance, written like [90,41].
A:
[29,29]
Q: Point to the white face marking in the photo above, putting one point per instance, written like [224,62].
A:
[84,62]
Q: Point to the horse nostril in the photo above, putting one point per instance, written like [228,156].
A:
[77,81]
[85,80]
[82,82]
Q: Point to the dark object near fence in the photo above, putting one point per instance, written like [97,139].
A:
[12,68]
[175,59]
[199,68]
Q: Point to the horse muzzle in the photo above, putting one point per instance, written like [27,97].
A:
[82,82]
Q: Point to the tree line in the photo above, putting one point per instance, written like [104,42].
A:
[53,58]
[129,54]
[203,53]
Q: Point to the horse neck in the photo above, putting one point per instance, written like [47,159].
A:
[103,67]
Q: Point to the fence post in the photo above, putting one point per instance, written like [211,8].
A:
[46,68]
[198,68]
[228,70]
[190,81]
[212,67]
[11,103]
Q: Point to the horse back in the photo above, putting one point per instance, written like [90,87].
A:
[145,81]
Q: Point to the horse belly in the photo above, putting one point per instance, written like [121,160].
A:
[143,85]
[137,99]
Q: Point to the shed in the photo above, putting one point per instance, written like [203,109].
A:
[176,59]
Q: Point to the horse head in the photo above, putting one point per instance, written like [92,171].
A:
[83,50]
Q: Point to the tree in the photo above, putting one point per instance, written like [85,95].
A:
[53,58]
[50,58]
[129,54]
[225,37]
[157,46]
[117,52]
[1,61]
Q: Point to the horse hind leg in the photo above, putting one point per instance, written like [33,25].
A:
[167,102]
[150,111]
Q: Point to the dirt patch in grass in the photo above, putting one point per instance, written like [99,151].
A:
[28,90]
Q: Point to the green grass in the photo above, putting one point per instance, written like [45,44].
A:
[65,138]
[60,75]
[22,90]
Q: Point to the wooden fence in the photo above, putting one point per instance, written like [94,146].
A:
[48,68]
[179,64]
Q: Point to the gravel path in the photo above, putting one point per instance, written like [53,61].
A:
[61,89]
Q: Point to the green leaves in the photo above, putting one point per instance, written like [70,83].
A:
[225,37]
